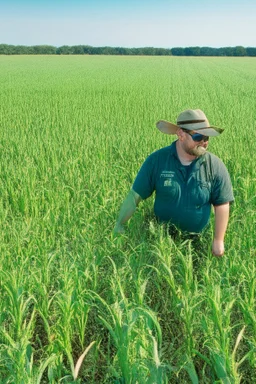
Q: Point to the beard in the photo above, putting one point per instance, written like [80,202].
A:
[197,151]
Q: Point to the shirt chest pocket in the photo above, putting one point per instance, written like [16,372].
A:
[168,188]
[199,194]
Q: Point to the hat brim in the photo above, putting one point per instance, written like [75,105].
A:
[171,129]
[167,127]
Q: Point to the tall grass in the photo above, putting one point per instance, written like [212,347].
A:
[80,305]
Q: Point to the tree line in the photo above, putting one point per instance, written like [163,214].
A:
[6,49]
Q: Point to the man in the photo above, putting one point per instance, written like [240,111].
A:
[187,180]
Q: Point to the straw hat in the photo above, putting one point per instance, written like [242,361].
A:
[191,119]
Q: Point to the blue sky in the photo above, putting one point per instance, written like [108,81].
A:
[129,23]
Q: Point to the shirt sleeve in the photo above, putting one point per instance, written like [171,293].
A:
[222,191]
[144,182]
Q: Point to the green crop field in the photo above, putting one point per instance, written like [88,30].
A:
[80,305]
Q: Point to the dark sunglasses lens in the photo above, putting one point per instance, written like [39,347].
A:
[199,137]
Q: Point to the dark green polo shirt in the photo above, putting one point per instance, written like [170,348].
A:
[184,194]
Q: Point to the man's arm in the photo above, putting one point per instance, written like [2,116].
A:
[221,223]
[127,209]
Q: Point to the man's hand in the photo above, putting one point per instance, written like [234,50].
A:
[221,222]
[218,248]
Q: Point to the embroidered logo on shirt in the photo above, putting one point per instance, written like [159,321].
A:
[167,174]
[167,183]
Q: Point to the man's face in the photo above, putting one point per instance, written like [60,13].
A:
[194,144]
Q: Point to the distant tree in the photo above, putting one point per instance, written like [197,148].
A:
[192,51]
[109,51]
[130,51]
[178,51]
[250,51]
[77,49]
[148,51]
[5,49]
[23,50]
[43,50]
[228,51]
[87,49]
[64,50]
[96,51]
[122,51]
[239,51]
[221,52]
[136,51]
[163,52]
[208,51]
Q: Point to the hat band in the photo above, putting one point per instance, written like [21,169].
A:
[190,122]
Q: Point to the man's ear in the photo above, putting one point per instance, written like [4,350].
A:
[181,134]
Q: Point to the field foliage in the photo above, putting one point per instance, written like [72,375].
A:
[79,305]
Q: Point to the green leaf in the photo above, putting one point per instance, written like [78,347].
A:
[190,368]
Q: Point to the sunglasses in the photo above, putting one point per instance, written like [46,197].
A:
[196,136]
